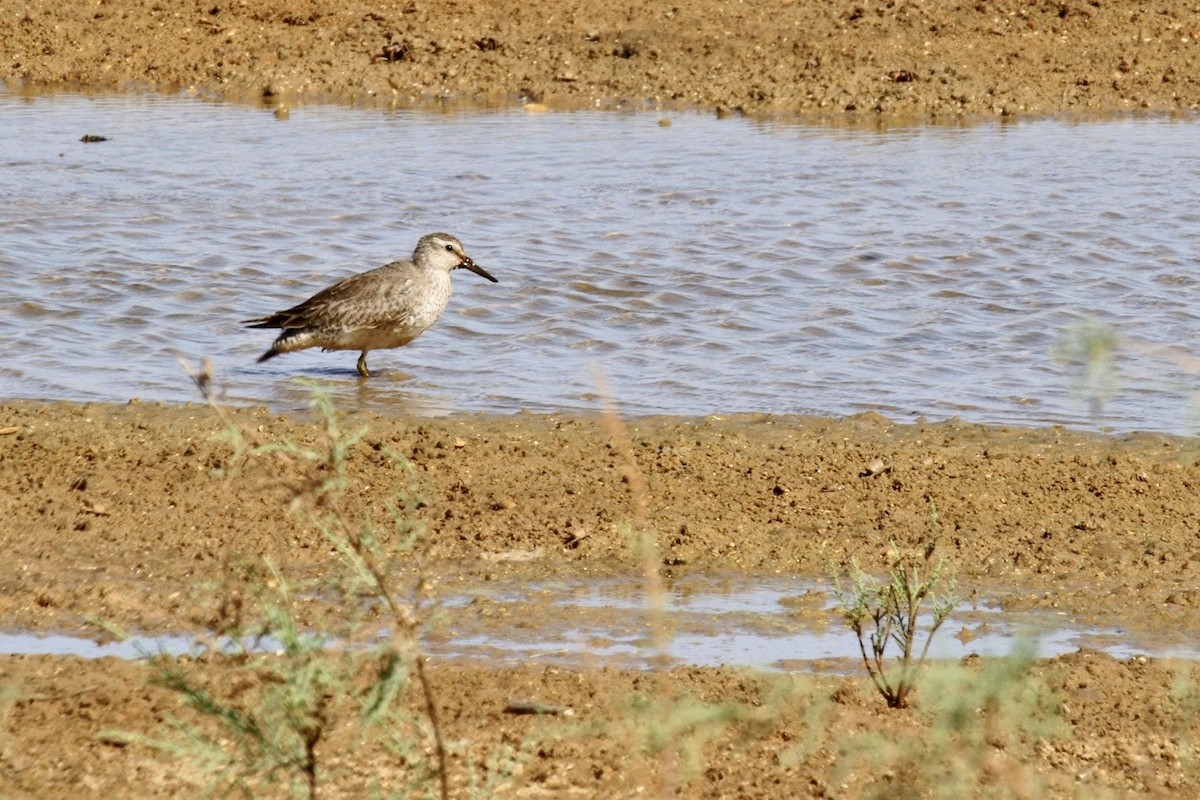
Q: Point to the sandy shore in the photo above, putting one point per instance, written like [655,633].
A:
[937,58]
[134,513]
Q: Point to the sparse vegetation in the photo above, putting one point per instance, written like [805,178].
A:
[888,613]
[270,721]
[961,739]
[1090,348]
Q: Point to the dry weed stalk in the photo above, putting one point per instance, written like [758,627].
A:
[643,538]
[662,724]
[203,378]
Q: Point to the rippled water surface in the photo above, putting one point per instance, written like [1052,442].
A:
[706,266]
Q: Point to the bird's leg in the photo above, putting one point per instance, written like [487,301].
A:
[362,365]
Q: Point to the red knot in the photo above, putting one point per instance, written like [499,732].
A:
[385,307]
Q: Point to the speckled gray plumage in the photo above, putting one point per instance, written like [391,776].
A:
[386,307]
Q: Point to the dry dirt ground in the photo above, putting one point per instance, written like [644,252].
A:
[939,58]
[133,514]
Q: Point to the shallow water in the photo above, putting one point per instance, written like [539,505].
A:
[767,624]
[707,266]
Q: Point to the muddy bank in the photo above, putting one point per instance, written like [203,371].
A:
[140,514]
[940,58]
[119,511]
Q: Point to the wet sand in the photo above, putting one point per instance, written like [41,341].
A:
[1101,527]
[132,513]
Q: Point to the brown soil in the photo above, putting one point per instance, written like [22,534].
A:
[938,57]
[133,514]
[115,511]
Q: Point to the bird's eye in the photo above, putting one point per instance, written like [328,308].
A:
[450,247]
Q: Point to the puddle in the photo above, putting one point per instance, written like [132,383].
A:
[772,624]
[32,644]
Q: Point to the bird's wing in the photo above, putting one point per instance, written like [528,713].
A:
[360,301]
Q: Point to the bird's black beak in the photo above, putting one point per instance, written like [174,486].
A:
[478,270]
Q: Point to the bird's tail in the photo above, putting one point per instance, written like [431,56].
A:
[288,341]
[272,321]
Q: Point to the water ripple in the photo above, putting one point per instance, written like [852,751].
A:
[706,267]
